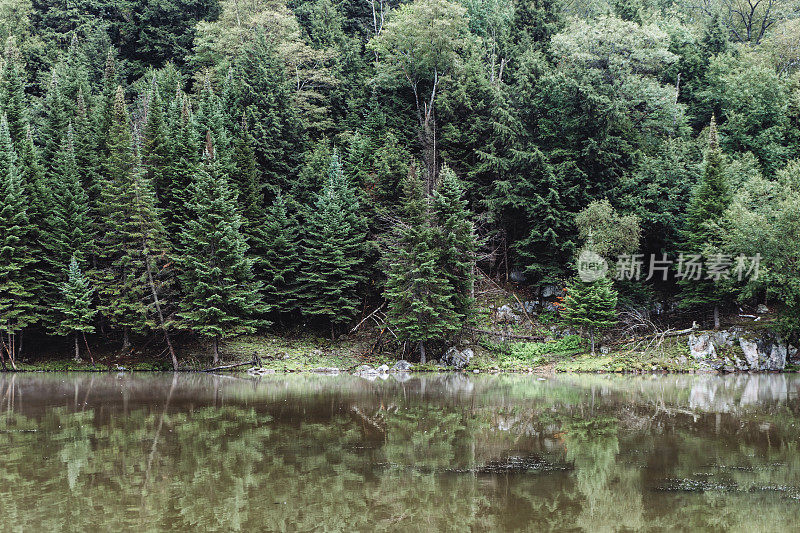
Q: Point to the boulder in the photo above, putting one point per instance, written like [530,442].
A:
[457,358]
[383,369]
[517,276]
[326,370]
[762,309]
[365,370]
[402,366]
[549,291]
[259,371]
[736,349]
[506,316]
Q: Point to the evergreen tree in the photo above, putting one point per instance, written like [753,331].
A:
[13,80]
[85,144]
[711,198]
[221,298]
[56,118]
[591,304]
[333,251]
[69,233]
[244,177]
[420,299]
[17,303]
[457,244]
[281,260]
[75,306]
[134,245]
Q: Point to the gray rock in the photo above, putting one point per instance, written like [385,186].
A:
[605,350]
[549,291]
[550,307]
[517,276]
[457,358]
[258,371]
[326,370]
[762,309]
[383,369]
[528,306]
[365,370]
[402,366]
[507,316]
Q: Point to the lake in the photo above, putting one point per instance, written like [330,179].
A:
[448,452]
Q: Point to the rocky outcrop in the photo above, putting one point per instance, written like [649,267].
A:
[456,358]
[739,350]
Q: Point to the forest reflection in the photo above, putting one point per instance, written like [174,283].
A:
[441,452]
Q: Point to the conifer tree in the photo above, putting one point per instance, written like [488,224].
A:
[458,244]
[708,204]
[134,246]
[244,177]
[591,305]
[221,298]
[281,260]
[56,118]
[420,299]
[17,304]
[13,80]
[75,306]
[69,233]
[85,145]
[334,245]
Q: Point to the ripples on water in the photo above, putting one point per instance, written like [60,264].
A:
[85,452]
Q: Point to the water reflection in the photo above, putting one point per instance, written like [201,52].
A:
[441,452]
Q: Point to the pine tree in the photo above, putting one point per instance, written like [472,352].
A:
[75,306]
[457,244]
[420,299]
[333,251]
[709,202]
[281,259]
[13,80]
[69,232]
[134,246]
[591,304]
[221,298]
[17,301]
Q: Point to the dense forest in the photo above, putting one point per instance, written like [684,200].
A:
[208,168]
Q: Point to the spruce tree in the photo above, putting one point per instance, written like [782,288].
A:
[221,298]
[75,306]
[709,202]
[419,296]
[13,80]
[56,119]
[457,244]
[17,300]
[244,177]
[334,246]
[134,247]
[281,260]
[591,305]
[69,228]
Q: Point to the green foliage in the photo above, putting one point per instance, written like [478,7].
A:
[221,297]
[75,305]
[591,305]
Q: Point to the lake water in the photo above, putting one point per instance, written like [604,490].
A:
[181,452]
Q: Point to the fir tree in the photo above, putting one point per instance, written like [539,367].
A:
[17,303]
[457,242]
[13,80]
[221,298]
[420,299]
[281,259]
[591,305]
[134,245]
[75,306]
[333,251]
[708,204]
[56,118]
[69,233]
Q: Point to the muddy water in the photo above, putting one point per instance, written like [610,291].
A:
[164,452]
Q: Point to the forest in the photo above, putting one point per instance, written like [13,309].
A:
[202,169]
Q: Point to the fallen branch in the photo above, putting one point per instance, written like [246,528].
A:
[254,362]
[366,318]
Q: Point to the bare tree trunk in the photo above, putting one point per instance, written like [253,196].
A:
[716,316]
[592,337]
[77,348]
[126,338]
[422,359]
[216,350]
[159,312]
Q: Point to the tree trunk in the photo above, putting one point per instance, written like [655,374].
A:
[333,332]
[160,314]
[216,350]
[591,334]
[126,338]
[422,360]
[716,317]
[77,348]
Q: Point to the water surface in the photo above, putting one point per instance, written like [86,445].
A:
[182,452]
